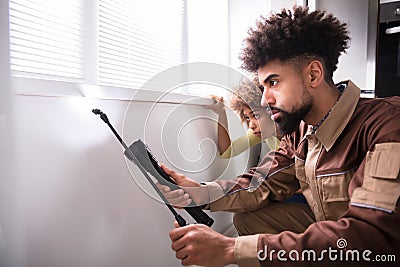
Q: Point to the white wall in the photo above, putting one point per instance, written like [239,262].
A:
[242,17]
[207,31]
[358,63]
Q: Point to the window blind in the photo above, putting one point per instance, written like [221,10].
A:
[134,40]
[138,39]
[46,39]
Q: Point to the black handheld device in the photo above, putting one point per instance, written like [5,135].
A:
[141,155]
[150,164]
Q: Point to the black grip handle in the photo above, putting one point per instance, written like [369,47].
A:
[200,216]
[180,220]
[195,211]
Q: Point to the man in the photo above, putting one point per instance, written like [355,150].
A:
[341,150]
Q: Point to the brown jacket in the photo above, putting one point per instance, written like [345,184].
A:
[348,171]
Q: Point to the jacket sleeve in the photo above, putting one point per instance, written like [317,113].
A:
[274,179]
[360,237]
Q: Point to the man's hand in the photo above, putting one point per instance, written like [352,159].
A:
[197,244]
[191,190]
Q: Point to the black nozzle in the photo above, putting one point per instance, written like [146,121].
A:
[97,111]
[103,116]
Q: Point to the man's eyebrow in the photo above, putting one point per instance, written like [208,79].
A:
[269,77]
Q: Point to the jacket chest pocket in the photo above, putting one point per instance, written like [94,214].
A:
[335,193]
[329,198]
[304,183]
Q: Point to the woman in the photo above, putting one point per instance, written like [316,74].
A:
[246,102]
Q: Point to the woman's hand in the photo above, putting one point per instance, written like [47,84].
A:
[219,106]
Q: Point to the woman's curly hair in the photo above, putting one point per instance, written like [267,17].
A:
[296,36]
[246,95]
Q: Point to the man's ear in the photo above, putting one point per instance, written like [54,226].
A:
[315,73]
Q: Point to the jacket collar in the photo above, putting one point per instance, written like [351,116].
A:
[339,116]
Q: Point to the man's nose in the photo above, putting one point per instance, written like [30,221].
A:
[267,98]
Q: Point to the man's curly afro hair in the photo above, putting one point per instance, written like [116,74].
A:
[296,36]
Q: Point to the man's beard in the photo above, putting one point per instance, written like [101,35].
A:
[288,122]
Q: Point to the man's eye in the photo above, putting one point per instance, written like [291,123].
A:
[272,82]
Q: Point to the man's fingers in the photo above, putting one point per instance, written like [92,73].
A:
[163,188]
[168,171]
[183,204]
[177,233]
[171,173]
[180,202]
[178,195]
[177,198]
[181,254]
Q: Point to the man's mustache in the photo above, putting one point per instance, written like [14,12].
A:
[269,109]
